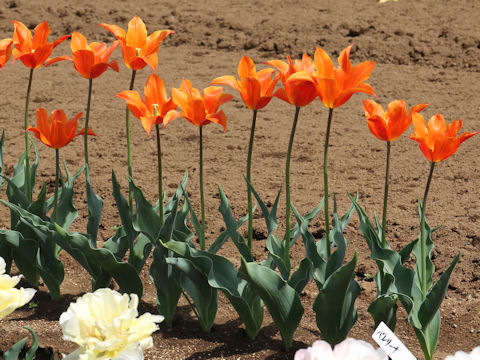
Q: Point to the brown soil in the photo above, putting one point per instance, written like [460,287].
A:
[426,51]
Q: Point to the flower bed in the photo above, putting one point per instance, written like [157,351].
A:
[219,169]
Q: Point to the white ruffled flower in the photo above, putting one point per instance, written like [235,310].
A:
[105,326]
[11,298]
[461,355]
[348,349]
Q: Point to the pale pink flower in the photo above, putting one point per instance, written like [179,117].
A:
[348,349]
[461,355]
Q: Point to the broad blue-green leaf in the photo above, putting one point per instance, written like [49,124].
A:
[166,279]
[281,300]
[223,237]
[123,210]
[202,294]
[435,296]
[141,250]
[335,304]
[95,205]
[231,224]
[145,219]
[24,254]
[67,212]
[384,308]
[30,355]
[2,143]
[14,352]
[269,216]
[222,275]
[124,273]
[276,248]
[428,337]
[302,276]
[194,220]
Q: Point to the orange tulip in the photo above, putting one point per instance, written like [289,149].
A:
[199,109]
[153,109]
[90,60]
[138,49]
[335,86]
[298,93]
[255,88]
[5,51]
[389,125]
[33,52]
[56,130]
[438,141]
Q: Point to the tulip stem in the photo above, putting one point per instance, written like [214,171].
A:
[325,181]
[28,184]
[385,198]
[57,177]
[286,249]
[423,241]
[129,148]
[249,191]
[202,200]
[159,166]
[87,116]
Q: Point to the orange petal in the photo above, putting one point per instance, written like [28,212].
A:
[57,59]
[154,40]
[137,33]
[117,31]
[344,59]
[155,91]
[41,33]
[134,102]
[323,64]
[84,61]
[78,42]
[228,80]
[246,67]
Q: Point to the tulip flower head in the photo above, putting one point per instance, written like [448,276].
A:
[389,125]
[298,93]
[90,60]
[348,349]
[33,51]
[255,88]
[138,49]
[105,324]
[5,51]
[336,86]
[55,130]
[199,109]
[438,141]
[10,297]
[154,107]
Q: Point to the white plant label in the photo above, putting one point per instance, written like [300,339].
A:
[391,344]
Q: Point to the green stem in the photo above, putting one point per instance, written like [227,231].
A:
[249,191]
[28,185]
[202,200]
[325,181]
[87,117]
[159,166]
[423,241]
[385,198]
[129,148]
[286,249]
[57,177]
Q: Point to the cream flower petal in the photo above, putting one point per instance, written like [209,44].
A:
[105,324]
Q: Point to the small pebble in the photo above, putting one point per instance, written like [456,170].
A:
[454,326]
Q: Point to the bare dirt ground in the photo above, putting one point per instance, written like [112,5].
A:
[426,51]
